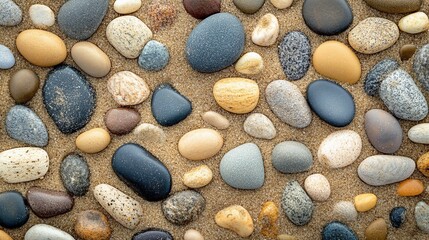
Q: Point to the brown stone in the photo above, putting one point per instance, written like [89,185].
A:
[407,51]
[121,120]
[92,225]
[91,59]
[47,203]
[377,230]
[201,9]
[23,85]
[268,217]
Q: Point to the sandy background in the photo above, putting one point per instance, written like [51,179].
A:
[197,87]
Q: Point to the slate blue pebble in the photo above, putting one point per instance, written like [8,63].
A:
[331,102]
[294,54]
[7,60]
[13,211]
[142,172]
[153,234]
[215,43]
[397,216]
[154,56]
[377,74]
[68,98]
[169,107]
[338,231]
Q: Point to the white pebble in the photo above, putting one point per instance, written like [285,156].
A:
[44,231]
[266,31]
[317,187]
[192,234]
[42,16]
[345,211]
[127,6]
[250,63]
[414,23]
[419,133]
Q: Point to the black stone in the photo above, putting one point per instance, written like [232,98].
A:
[331,102]
[338,231]
[169,107]
[68,98]
[142,172]
[13,211]
[294,54]
[153,234]
[327,17]
[377,74]
[75,174]
[397,216]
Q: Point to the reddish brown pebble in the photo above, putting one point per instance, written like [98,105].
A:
[47,203]
[92,225]
[121,120]
[161,13]
[407,51]
[201,9]
[23,85]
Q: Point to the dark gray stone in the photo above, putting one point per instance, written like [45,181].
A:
[296,204]
[10,13]
[13,210]
[291,157]
[338,231]
[75,175]
[183,207]
[294,55]
[421,66]
[398,216]
[377,74]
[154,56]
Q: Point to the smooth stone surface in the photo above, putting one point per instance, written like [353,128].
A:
[44,231]
[215,43]
[121,120]
[259,126]
[200,144]
[92,225]
[80,19]
[410,188]
[248,7]
[296,204]
[345,211]
[281,4]
[407,51]
[250,63]
[75,174]
[339,231]
[10,13]
[331,102]
[142,172]
[317,187]
[266,30]
[294,55]
[154,56]
[127,88]
[5,236]
[236,95]
[395,6]
[192,234]
[47,203]
[419,133]
[377,74]
[41,16]
[268,218]
[414,23]
[291,157]
[169,107]
[421,214]
[383,130]
[340,149]
[23,85]
[91,59]
[198,177]
[287,103]
[69,98]
[23,164]
[201,9]
[216,120]
[421,66]
[7,60]
[377,230]
[183,207]
[327,17]
[93,141]
[150,133]
[242,167]
[397,216]
[235,218]
[127,6]
[13,210]
[22,124]
[152,234]
[379,170]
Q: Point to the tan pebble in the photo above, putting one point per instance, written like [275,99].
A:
[127,6]
[423,164]
[236,95]
[365,202]
[317,187]
[150,133]
[266,31]
[250,63]
[91,59]
[237,219]
[127,88]
[268,218]
[340,149]
[281,4]
[4,236]
[198,177]
[258,125]
[414,23]
[345,211]
[216,120]
[93,141]
[192,234]
[41,16]
[92,225]
[286,237]
[200,144]
[377,230]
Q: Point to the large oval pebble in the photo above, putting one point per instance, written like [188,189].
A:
[340,149]
[236,95]
[395,6]
[44,231]
[296,204]
[294,54]
[383,130]
[419,133]
[200,144]
[91,59]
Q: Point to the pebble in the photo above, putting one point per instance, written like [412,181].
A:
[161,14]
[421,66]
[80,19]
[7,60]
[47,203]
[10,13]
[44,231]
[236,95]
[268,218]
[23,125]
[192,234]
[75,174]
[248,7]
[198,177]
[153,233]
[183,207]
[142,172]
[150,133]
[377,74]
[373,35]
[421,214]
[259,126]
[379,170]
[92,225]
[91,59]
[237,219]
[128,35]
[419,133]
[317,187]
[23,85]
[93,141]
[154,56]
[383,130]
[335,60]
[169,107]
[200,144]
[397,216]
[296,204]
[318,16]
[376,230]
[410,188]
[340,149]
[414,23]
[250,63]
[286,237]
[121,121]
[395,6]
[69,98]
[266,31]
[242,167]
[281,4]
[338,230]
[365,202]
[127,88]
[345,211]
[331,102]
[291,157]
[216,120]
[127,6]
[402,97]
[41,16]
[41,48]
[215,43]
[407,51]
[202,9]
[23,164]
[295,54]
[124,209]
[287,103]
[13,211]
[4,235]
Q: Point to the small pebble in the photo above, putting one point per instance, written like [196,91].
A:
[41,16]
[44,231]
[268,218]
[7,60]
[266,31]
[340,149]
[259,126]
[345,211]
[291,157]
[192,234]
[47,203]
[414,23]
[23,85]
[201,9]
[236,95]
[200,144]
[286,237]
[127,88]
[423,164]
[338,230]
[421,214]
[152,233]
[183,207]
[161,14]
[10,13]
[121,121]
[150,133]
[250,63]
[407,51]
[248,7]
[154,56]
[93,141]
[396,6]
[91,59]
[75,174]
[295,54]
[377,74]
[397,216]
[317,187]
[365,202]
[281,4]
[4,236]
[13,210]
[296,204]
[377,230]
[198,177]
[92,225]
[410,188]
[421,65]
[127,6]
[216,120]
[237,219]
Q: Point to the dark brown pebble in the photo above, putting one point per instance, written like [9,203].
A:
[201,9]
[48,203]
[121,120]
[92,225]
[23,85]
[407,51]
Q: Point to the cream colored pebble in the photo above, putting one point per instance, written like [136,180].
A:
[250,63]
[192,234]
[198,177]
[282,4]
[414,23]
[127,6]
[237,219]
[266,31]
[216,120]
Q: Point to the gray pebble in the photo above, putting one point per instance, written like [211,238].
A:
[154,56]
[259,126]
[377,74]
[296,204]
[183,207]
[294,54]
[421,213]
[10,13]
[291,157]
[75,174]
[421,65]
[7,60]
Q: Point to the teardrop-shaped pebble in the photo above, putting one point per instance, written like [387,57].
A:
[294,54]
[44,231]
[216,120]
[419,133]
[200,144]
[266,31]
[296,204]
[338,230]
[236,95]
[421,214]
[259,126]
[183,207]
[127,88]
[13,210]
[340,149]
[91,59]
[23,85]
[407,51]
[152,233]
[47,203]
[377,74]
[121,120]
[235,218]
[75,174]
[92,225]
[291,157]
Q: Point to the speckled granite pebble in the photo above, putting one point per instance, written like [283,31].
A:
[75,174]
[7,60]
[377,74]
[154,56]
[294,54]
[183,207]
[296,204]
[421,65]
[10,13]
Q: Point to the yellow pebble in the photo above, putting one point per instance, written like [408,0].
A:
[365,202]
[93,141]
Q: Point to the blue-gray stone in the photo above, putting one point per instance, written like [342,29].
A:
[291,157]
[75,174]
[153,234]
[7,60]
[13,210]
[154,56]
[215,43]
[80,19]
[10,13]
[421,214]
[398,216]
[377,74]
[421,66]
[243,167]
[338,231]
[296,204]
[294,54]
[24,125]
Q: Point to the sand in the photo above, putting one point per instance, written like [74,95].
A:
[197,87]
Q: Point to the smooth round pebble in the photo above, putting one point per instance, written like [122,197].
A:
[248,7]
[121,121]
[295,54]
[91,59]
[23,85]
[75,173]
[421,215]
[410,188]
[201,9]
[340,149]
[407,51]
[44,231]
[93,141]
[46,203]
[296,204]
[376,230]
[41,16]
[127,88]
[154,56]
[192,234]
[317,187]
[183,207]
[236,95]
[198,177]
[7,60]
[339,231]
[200,144]
[92,225]
[216,120]
[268,218]
[291,157]
[150,133]
[414,23]
[365,202]
[345,211]
[13,210]
[397,216]
[250,63]
[237,219]
[266,31]
[10,13]
[259,126]
[127,6]
[377,74]
[281,4]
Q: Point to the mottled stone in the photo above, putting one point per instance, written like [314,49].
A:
[10,13]
[154,56]
[266,30]
[397,216]
[294,54]
[92,225]
[268,218]
[377,74]
[421,214]
[296,204]
[183,207]
[421,65]
[75,174]
[235,218]
[127,88]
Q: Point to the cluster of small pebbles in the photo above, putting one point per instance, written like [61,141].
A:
[218,42]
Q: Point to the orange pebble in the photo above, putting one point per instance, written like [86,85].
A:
[410,187]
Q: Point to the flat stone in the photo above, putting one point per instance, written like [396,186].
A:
[91,225]
[201,9]
[10,13]
[44,231]
[93,141]
[377,229]
[127,6]
[345,211]
[200,144]
[397,216]
[216,120]
[127,88]
[291,157]
[294,54]
[296,204]
[235,218]
[154,56]
[248,7]
[419,133]
[152,233]
[91,59]
[340,149]
[317,187]
[338,230]
[421,214]
[377,74]
[407,51]
[7,60]
[23,85]
[421,66]
[183,207]
[395,6]
[75,174]
[42,16]
[259,126]
[47,203]
[121,120]
[236,95]
[13,210]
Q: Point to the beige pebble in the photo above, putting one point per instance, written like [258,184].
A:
[91,59]
[345,211]
[200,144]
[281,4]
[93,141]
[127,6]
[216,120]
[192,234]
[317,187]
[258,125]
[41,16]
[286,237]
[419,133]
[414,23]
[150,133]
[365,202]
[198,177]
[236,95]
[250,63]
[127,88]
[266,31]
[237,219]
[340,149]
